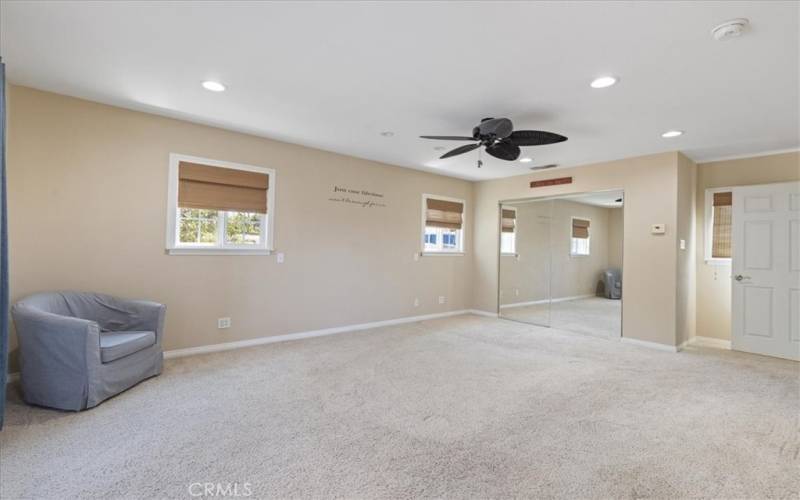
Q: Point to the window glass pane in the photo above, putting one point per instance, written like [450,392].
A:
[507,242]
[579,246]
[430,238]
[197,227]
[449,239]
[242,228]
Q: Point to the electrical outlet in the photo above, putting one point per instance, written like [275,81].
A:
[280,258]
[416,301]
[224,323]
[516,292]
[442,299]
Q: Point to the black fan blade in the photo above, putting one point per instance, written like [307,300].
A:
[504,150]
[535,138]
[499,127]
[447,137]
[460,150]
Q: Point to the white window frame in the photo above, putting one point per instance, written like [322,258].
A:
[514,252]
[459,250]
[708,232]
[589,239]
[175,248]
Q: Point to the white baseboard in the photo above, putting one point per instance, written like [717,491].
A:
[480,312]
[711,342]
[650,345]
[227,346]
[545,301]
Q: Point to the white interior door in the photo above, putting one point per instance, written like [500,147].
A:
[766,269]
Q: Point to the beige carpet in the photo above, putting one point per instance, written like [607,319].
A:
[465,407]
[591,316]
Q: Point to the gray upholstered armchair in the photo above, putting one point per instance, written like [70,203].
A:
[78,349]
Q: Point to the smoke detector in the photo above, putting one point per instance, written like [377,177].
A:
[730,29]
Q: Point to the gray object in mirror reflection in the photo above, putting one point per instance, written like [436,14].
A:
[78,349]
[612,280]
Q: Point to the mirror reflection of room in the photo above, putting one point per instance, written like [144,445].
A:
[561,262]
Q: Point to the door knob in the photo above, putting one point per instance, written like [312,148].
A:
[739,277]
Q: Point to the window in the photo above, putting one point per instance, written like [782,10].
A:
[581,238]
[219,207]
[443,225]
[508,231]
[719,215]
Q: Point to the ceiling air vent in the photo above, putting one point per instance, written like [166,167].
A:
[542,167]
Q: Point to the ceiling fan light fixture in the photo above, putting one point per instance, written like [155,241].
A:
[603,82]
[669,134]
[525,160]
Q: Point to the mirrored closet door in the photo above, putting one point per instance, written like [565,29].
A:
[525,266]
[561,262]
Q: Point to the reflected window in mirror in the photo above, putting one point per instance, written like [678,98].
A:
[581,237]
[508,231]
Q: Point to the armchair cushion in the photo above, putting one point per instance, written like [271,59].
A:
[115,345]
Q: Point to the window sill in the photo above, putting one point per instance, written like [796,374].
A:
[580,255]
[504,254]
[442,254]
[718,262]
[218,251]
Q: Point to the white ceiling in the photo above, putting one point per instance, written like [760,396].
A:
[333,75]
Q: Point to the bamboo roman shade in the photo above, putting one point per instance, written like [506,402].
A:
[721,231]
[446,214]
[509,221]
[580,228]
[219,188]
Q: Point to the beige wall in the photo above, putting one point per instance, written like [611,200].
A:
[615,235]
[544,234]
[87,205]
[713,280]
[87,201]
[651,192]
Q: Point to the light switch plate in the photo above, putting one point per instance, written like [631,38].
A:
[683,244]
[223,323]
[280,258]
[658,228]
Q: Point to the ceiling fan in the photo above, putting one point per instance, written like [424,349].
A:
[498,137]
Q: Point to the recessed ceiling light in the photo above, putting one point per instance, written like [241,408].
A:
[672,133]
[388,133]
[526,160]
[213,86]
[603,82]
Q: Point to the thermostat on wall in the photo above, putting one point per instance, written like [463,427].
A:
[658,228]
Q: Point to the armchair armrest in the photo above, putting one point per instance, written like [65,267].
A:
[147,315]
[55,348]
